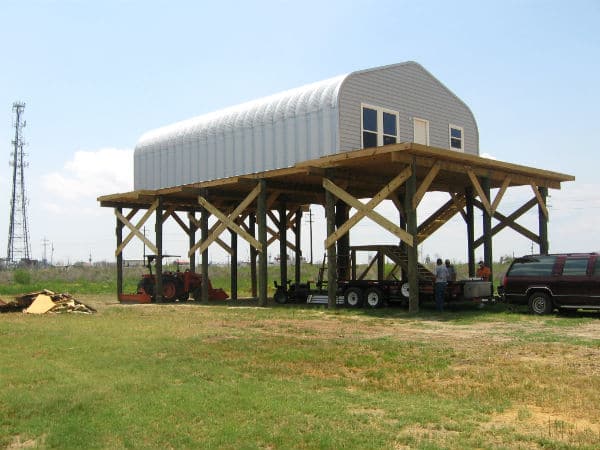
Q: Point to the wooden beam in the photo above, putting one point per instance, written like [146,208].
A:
[435,169]
[135,229]
[226,222]
[500,194]
[540,200]
[475,182]
[229,222]
[261,217]
[364,273]
[368,208]
[272,198]
[509,221]
[181,223]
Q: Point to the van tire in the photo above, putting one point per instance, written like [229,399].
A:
[540,303]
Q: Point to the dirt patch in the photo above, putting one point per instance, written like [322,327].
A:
[543,423]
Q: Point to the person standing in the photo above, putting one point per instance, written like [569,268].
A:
[483,271]
[451,271]
[441,280]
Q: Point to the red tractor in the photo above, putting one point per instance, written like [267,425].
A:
[176,286]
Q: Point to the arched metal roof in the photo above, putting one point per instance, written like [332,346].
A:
[288,104]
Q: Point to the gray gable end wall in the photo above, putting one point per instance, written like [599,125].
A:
[412,91]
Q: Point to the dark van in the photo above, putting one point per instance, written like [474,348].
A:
[548,282]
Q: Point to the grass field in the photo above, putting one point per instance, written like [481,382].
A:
[218,376]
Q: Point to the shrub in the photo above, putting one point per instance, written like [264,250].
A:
[21,276]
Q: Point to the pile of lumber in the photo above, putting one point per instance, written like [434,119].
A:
[45,301]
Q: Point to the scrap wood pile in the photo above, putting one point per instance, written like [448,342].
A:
[43,302]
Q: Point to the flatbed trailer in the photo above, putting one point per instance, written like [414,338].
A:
[374,293]
[359,291]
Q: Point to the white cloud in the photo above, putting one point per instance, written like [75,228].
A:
[91,174]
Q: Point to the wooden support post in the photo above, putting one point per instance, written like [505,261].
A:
[234,265]
[487,227]
[380,266]
[298,243]
[158,229]
[331,251]
[282,244]
[253,255]
[353,264]
[543,222]
[342,214]
[412,250]
[261,216]
[470,231]
[192,239]
[204,214]
[119,233]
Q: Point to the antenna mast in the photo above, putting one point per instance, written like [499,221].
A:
[18,233]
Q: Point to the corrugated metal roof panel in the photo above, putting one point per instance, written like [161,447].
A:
[267,133]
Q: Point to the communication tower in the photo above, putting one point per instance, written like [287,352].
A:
[18,232]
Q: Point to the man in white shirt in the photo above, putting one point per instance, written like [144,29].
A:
[441,280]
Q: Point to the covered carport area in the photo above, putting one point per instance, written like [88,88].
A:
[402,173]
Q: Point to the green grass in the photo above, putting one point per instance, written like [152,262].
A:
[175,376]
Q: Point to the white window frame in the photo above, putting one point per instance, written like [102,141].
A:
[426,129]
[462,138]
[380,134]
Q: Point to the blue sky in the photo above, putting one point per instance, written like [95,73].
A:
[96,75]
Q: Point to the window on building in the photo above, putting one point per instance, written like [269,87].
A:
[379,126]
[457,138]
[369,127]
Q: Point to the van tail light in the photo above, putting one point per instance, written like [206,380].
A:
[504,281]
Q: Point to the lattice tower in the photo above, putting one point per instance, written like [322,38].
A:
[18,232]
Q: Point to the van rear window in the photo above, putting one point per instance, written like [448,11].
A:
[534,266]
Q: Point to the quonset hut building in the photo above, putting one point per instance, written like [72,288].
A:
[369,108]
[393,132]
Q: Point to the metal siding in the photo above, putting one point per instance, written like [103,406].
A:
[265,134]
[412,91]
[304,123]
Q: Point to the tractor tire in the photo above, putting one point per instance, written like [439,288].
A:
[169,290]
[353,297]
[280,297]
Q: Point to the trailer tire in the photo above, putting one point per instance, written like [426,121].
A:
[353,297]
[374,297]
[405,290]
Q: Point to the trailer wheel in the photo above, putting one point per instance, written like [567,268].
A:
[374,297]
[405,290]
[353,297]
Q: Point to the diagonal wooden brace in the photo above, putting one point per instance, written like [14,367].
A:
[135,229]
[540,200]
[475,182]
[509,221]
[367,210]
[228,222]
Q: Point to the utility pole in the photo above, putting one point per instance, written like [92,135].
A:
[18,232]
[310,222]
[45,243]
